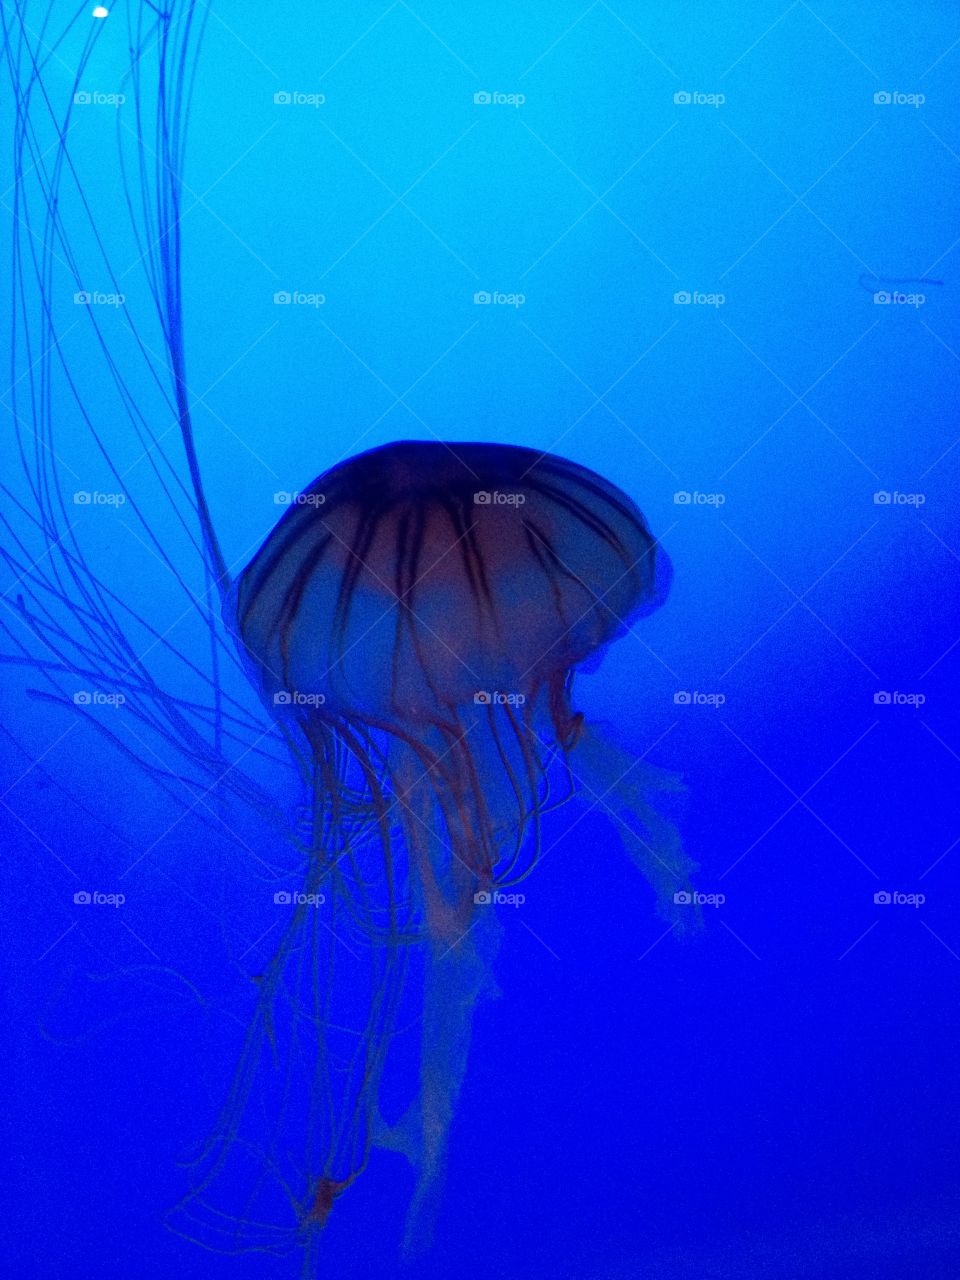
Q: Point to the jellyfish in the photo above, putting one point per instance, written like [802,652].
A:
[387,686]
[414,624]
[417,618]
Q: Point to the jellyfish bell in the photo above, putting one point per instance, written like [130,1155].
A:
[411,579]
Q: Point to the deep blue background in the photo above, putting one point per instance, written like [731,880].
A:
[775,1096]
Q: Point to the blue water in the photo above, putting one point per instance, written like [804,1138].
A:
[774,1095]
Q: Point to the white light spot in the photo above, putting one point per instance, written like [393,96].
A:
[100,12]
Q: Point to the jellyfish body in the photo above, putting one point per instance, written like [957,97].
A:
[421,611]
